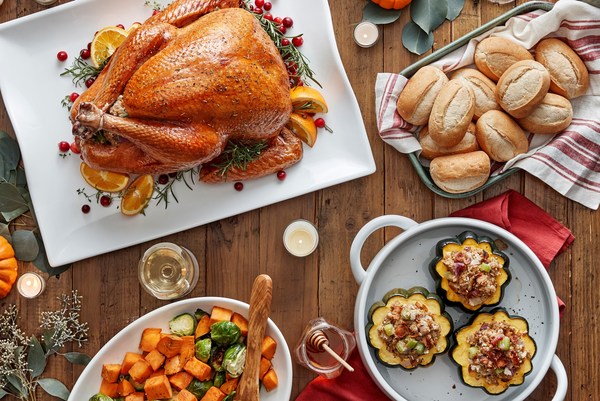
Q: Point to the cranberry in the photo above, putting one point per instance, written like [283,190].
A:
[287,22]
[105,200]
[297,41]
[281,175]
[62,55]
[268,16]
[85,209]
[277,20]
[282,29]
[267,6]
[319,123]
[238,186]
[121,26]
[73,96]
[285,42]
[258,10]
[173,174]
[85,54]
[155,12]
[259,3]
[163,179]
[64,146]
[89,46]
[89,82]
[75,148]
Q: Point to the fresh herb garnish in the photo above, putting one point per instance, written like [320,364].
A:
[66,102]
[163,194]
[81,71]
[156,6]
[238,155]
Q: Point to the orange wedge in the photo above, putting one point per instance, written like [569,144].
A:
[303,126]
[308,100]
[133,27]
[106,181]
[137,195]
[105,43]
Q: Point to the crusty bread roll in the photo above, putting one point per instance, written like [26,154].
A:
[494,55]
[522,87]
[431,150]
[551,116]
[461,172]
[451,113]
[416,99]
[500,136]
[568,74]
[484,90]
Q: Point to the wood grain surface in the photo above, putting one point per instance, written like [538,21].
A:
[233,251]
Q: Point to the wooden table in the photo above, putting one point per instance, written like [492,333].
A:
[231,252]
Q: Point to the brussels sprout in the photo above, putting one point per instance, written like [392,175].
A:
[137,386]
[234,360]
[229,396]
[183,325]
[100,397]
[202,348]
[224,333]
[199,313]
[220,378]
[199,388]
[216,359]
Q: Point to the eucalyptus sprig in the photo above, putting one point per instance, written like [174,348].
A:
[81,70]
[238,155]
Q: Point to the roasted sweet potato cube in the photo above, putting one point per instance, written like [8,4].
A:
[169,345]
[230,385]
[264,367]
[158,372]
[157,388]
[111,372]
[269,346]
[129,360]
[203,326]
[125,388]
[150,338]
[187,349]
[109,389]
[213,394]
[181,380]
[270,380]
[137,396]
[185,395]
[140,371]
[219,314]
[241,322]
[173,365]
[155,359]
[198,369]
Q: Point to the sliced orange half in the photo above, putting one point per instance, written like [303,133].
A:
[308,100]
[106,181]
[105,43]
[133,27]
[137,195]
[303,126]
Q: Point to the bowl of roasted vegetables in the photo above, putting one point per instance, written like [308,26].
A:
[191,350]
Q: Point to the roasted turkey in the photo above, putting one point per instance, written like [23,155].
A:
[190,79]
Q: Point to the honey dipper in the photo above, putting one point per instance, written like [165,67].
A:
[318,341]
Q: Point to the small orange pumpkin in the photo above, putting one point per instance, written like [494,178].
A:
[392,4]
[8,267]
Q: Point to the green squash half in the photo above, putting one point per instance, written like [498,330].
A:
[460,350]
[438,269]
[435,306]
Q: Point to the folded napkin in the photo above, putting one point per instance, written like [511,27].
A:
[512,211]
[568,161]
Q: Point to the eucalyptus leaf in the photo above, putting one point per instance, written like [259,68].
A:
[5,232]
[54,388]
[25,245]
[377,15]
[78,358]
[9,155]
[12,204]
[17,384]
[454,9]
[415,40]
[36,360]
[42,263]
[48,341]
[21,178]
[3,393]
[428,14]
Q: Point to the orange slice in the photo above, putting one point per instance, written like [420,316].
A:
[303,126]
[105,43]
[137,195]
[308,100]
[133,27]
[106,181]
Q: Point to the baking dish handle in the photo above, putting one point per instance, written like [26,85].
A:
[379,222]
[562,381]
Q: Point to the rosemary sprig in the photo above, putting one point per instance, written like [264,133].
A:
[81,71]
[66,102]
[238,155]
[155,5]
[163,194]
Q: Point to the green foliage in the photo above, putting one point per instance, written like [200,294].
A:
[428,14]
[378,15]
[415,39]
[25,245]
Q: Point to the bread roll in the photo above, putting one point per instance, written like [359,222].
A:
[551,116]
[522,87]
[416,99]
[500,136]
[460,173]
[431,150]
[451,113]
[494,55]
[568,74]
[484,90]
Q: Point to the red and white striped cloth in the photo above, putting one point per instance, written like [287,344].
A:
[568,162]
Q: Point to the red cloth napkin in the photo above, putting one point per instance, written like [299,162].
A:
[512,211]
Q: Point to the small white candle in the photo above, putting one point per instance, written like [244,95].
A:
[300,238]
[31,285]
[366,34]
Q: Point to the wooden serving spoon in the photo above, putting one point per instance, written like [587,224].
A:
[260,307]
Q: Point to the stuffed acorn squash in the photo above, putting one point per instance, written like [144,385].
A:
[494,351]
[409,328]
[470,271]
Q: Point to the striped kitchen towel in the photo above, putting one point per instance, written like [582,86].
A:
[568,162]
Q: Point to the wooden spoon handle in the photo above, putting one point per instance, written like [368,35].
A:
[260,308]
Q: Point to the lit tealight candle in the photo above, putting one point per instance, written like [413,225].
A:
[31,285]
[300,238]
[366,34]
